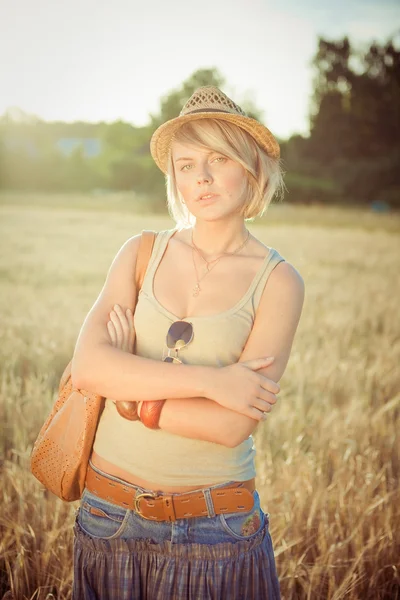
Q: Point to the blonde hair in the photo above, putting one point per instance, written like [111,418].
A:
[264,174]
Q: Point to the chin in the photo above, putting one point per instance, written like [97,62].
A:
[211,213]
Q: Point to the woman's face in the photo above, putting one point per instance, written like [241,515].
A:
[200,172]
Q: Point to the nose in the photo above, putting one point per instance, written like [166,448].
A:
[204,177]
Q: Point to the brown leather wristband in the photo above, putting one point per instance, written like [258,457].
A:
[150,413]
[128,410]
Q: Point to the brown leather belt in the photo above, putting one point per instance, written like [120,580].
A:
[236,497]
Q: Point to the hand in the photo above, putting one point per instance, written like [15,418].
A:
[240,388]
[121,329]
[122,335]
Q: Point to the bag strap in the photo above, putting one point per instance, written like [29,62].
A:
[145,249]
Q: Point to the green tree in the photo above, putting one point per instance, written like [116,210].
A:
[355,118]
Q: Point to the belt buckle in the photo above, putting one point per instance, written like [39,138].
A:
[136,505]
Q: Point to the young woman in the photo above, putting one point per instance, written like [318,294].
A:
[170,508]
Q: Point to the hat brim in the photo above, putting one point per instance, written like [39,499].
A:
[161,139]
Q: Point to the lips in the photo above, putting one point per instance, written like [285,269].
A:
[206,196]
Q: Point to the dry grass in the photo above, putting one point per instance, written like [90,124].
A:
[328,455]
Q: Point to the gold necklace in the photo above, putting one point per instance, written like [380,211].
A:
[208,262]
[197,288]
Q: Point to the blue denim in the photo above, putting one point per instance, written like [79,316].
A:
[117,522]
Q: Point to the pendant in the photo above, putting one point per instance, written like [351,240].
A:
[196,290]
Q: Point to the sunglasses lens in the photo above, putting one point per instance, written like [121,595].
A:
[179,334]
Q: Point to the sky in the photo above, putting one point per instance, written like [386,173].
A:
[97,60]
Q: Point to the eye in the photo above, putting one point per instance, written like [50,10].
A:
[184,167]
[220,159]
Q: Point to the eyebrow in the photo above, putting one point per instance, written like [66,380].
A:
[191,158]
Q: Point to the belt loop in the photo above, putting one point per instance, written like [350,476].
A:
[209,502]
[169,508]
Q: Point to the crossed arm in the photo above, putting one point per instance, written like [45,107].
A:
[189,411]
[272,334]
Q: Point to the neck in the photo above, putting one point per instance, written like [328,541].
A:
[216,238]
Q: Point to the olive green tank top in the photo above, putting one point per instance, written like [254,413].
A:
[162,457]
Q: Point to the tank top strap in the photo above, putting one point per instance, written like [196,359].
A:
[160,244]
[274,259]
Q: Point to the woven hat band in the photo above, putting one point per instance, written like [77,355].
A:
[203,110]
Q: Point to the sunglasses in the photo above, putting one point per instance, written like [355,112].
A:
[179,335]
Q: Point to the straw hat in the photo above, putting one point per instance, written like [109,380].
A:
[209,102]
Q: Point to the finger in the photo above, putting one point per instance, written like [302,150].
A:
[269,384]
[125,327]
[121,315]
[258,363]
[256,414]
[118,328]
[262,405]
[112,333]
[129,315]
[267,396]
[123,318]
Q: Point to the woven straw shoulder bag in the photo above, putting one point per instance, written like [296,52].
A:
[60,455]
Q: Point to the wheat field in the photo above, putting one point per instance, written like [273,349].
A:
[328,456]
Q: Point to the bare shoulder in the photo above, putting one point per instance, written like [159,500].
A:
[286,278]
[282,298]
[119,286]
[128,251]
